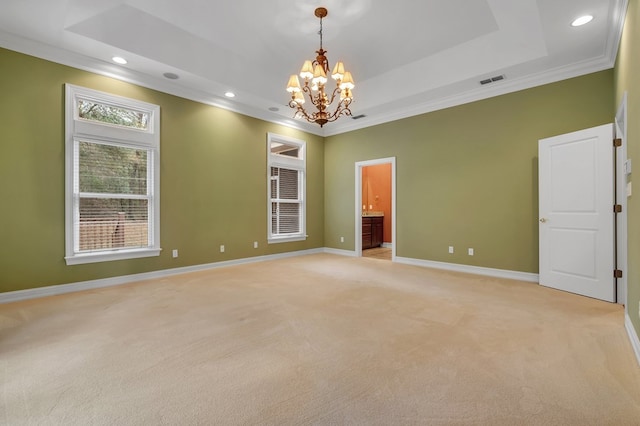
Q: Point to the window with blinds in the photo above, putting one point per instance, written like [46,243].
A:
[113,201]
[112,177]
[286,189]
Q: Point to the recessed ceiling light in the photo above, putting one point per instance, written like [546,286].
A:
[119,60]
[582,20]
[230,95]
[171,76]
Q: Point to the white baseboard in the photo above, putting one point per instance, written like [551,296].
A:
[33,293]
[350,253]
[387,245]
[633,337]
[478,270]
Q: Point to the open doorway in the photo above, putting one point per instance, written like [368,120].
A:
[375,210]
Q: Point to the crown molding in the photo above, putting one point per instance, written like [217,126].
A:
[615,29]
[65,57]
[505,87]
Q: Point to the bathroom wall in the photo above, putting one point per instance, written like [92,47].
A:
[376,193]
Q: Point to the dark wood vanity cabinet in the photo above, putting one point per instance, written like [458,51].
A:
[372,231]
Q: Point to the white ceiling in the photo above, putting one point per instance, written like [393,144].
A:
[407,56]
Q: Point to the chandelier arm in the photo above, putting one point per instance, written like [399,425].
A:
[343,109]
[335,92]
[298,107]
[315,100]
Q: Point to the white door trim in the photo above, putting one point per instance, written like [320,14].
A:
[621,198]
[358,206]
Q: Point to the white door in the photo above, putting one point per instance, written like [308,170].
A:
[576,212]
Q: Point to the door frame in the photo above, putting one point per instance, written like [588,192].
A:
[358,205]
[621,198]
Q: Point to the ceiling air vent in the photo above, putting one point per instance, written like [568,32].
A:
[492,79]
[356,117]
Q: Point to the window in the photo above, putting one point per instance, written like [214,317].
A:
[112,177]
[286,189]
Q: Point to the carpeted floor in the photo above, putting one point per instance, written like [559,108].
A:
[321,340]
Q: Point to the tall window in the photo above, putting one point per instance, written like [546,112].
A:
[112,177]
[286,190]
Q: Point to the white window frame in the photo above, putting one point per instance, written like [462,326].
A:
[78,129]
[299,164]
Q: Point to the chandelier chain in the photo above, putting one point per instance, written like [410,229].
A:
[320,32]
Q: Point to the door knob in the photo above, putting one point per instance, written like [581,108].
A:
[543,220]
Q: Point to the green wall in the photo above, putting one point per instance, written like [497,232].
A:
[466,176]
[627,71]
[213,179]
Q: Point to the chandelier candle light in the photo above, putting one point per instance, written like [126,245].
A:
[315,77]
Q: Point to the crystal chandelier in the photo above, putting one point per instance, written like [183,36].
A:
[315,77]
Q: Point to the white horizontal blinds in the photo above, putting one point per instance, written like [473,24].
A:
[112,196]
[112,224]
[285,201]
[288,218]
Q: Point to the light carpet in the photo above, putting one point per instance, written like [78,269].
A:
[317,340]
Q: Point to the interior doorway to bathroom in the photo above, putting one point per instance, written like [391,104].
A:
[376,208]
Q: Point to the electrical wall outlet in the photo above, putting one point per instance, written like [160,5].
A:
[450,249]
[222,249]
[174,253]
[470,252]
[342,239]
[255,244]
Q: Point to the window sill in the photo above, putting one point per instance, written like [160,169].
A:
[96,257]
[288,239]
